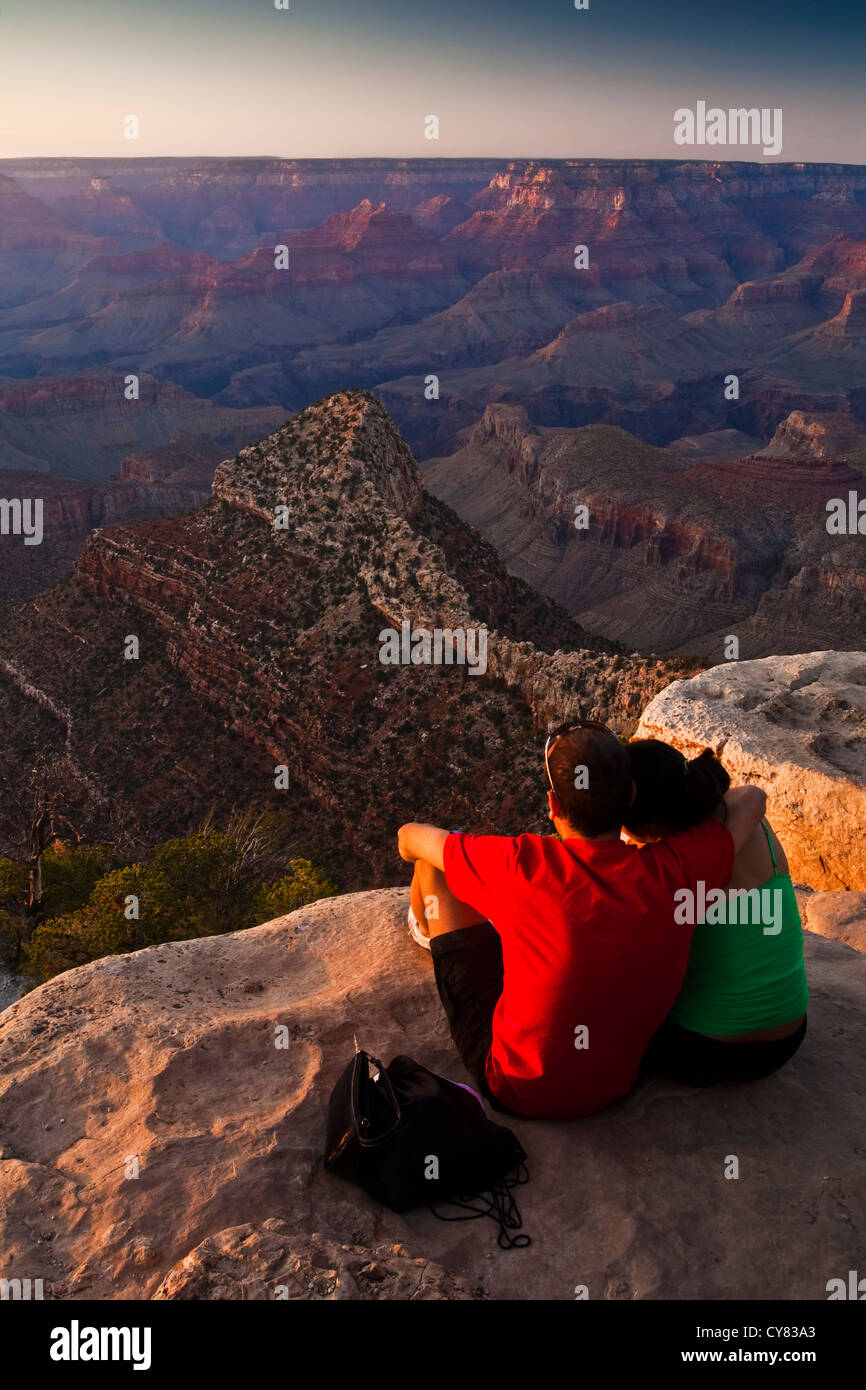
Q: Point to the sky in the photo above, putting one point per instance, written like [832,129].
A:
[358,78]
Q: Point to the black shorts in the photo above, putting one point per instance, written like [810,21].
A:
[700,1061]
[468,966]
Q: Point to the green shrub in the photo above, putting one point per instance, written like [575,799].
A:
[71,872]
[305,884]
[203,884]
[14,929]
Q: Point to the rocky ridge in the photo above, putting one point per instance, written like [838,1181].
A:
[266,642]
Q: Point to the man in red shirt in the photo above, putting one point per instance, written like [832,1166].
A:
[557,957]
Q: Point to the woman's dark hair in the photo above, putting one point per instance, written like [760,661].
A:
[673,792]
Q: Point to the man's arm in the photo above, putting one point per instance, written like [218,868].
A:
[746,807]
[417,841]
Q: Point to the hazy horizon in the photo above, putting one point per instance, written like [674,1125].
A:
[216,78]
[495,157]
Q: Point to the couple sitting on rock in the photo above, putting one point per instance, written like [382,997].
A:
[570,964]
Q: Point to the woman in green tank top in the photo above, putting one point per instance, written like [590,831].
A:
[741,1010]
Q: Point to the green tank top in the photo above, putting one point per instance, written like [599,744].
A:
[740,979]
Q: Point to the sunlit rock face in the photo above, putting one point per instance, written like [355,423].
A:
[795,726]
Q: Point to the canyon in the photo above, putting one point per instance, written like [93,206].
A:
[450,289]
[96,458]
[88,427]
[260,649]
[678,552]
[399,268]
[73,509]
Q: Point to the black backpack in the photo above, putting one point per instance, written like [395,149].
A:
[412,1138]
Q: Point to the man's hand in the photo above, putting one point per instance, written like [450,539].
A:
[417,841]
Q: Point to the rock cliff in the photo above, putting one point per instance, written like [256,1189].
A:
[155,1143]
[83,426]
[71,510]
[673,554]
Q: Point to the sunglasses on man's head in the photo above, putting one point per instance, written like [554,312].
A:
[571,728]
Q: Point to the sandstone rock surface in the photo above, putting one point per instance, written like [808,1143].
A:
[271,1261]
[795,726]
[839,916]
[168,1057]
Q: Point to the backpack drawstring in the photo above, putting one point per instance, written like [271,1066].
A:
[501,1207]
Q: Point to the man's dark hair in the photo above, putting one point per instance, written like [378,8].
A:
[600,800]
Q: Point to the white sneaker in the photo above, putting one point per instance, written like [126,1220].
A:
[415,931]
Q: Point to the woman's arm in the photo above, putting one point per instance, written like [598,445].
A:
[746,807]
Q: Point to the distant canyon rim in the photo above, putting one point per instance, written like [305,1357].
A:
[697,385]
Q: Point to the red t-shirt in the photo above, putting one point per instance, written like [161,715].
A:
[589,942]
